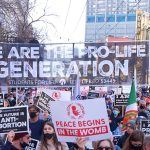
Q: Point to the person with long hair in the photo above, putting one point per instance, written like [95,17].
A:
[135,141]
[147,143]
[49,139]
[17,141]
[106,144]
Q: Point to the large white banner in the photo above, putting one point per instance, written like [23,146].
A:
[81,118]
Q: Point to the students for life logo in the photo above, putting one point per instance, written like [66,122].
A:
[75,111]
[56,95]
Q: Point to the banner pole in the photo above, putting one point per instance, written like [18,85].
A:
[123,108]
[16,95]
[72,92]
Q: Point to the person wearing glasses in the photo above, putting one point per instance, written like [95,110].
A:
[17,141]
[135,141]
[106,144]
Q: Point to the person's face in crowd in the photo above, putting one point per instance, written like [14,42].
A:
[33,113]
[147,147]
[11,97]
[20,93]
[30,101]
[142,105]
[115,112]
[48,131]
[6,103]
[109,103]
[148,106]
[139,94]
[25,141]
[14,93]
[120,125]
[136,145]
[129,128]
[27,138]
[104,145]
[45,114]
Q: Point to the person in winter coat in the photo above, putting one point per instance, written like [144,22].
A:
[131,126]
[49,139]
[135,141]
[17,141]
[104,144]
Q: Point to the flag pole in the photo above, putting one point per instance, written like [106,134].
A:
[131,111]
[76,91]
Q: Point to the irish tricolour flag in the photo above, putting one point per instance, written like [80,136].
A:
[131,109]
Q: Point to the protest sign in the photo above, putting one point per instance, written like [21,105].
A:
[56,94]
[126,88]
[4,89]
[145,127]
[84,90]
[32,145]
[14,118]
[116,139]
[1,100]
[77,119]
[43,102]
[54,64]
[93,94]
[101,89]
[117,90]
[121,100]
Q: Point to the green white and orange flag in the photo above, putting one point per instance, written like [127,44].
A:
[131,109]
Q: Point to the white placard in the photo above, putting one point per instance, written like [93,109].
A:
[84,90]
[117,90]
[126,89]
[79,119]
[102,89]
[56,94]
[4,89]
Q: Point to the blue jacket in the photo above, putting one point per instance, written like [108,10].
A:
[122,139]
[9,146]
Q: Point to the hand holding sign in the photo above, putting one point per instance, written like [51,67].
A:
[14,118]
[10,136]
[81,143]
[77,119]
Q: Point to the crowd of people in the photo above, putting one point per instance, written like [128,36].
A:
[42,129]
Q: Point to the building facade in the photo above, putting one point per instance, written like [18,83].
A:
[112,18]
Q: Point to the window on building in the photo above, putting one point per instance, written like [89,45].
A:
[120,18]
[131,17]
[110,18]
[90,19]
[100,18]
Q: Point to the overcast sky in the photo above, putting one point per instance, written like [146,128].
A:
[69,25]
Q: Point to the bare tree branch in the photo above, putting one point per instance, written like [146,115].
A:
[18,20]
